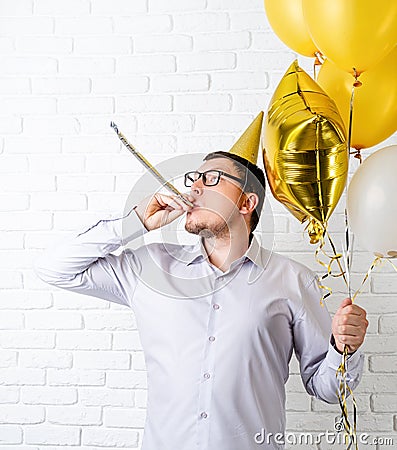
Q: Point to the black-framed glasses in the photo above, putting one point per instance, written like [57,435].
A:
[209,177]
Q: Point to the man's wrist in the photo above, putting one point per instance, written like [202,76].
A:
[333,343]
[140,217]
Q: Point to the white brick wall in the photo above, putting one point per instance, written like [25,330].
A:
[182,76]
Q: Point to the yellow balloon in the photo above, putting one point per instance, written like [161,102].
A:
[375,102]
[352,33]
[304,148]
[287,21]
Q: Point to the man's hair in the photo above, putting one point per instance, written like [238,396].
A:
[254,177]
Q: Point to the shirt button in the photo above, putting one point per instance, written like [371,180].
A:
[207,375]
[204,415]
[211,338]
[215,306]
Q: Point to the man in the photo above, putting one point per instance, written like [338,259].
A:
[219,320]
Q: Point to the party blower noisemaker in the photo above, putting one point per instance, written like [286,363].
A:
[149,166]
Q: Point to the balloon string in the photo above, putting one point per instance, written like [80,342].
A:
[348,254]
[375,262]
[320,284]
[337,257]
[349,134]
[318,61]
[318,166]
[357,153]
[350,431]
[317,231]
[328,267]
[394,267]
[343,388]
[348,243]
[343,391]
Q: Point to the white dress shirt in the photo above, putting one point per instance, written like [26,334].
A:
[217,344]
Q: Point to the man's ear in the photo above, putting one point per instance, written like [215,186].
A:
[249,203]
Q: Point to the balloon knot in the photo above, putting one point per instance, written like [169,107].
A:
[356,75]
[358,155]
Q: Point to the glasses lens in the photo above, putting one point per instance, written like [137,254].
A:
[211,177]
[190,178]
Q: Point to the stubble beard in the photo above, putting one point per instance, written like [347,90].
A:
[208,230]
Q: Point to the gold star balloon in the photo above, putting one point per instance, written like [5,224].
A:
[305,152]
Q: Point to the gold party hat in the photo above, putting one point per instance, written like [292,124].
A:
[247,145]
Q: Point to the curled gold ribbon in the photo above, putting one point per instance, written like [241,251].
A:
[376,261]
[343,391]
[317,233]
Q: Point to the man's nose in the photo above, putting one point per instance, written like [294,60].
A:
[197,187]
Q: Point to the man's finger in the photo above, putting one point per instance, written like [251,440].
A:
[349,330]
[353,310]
[350,308]
[349,340]
[167,200]
[345,302]
[350,319]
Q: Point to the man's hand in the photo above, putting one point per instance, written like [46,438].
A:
[158,210]
[349,326]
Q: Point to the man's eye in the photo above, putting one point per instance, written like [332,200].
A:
[211,177]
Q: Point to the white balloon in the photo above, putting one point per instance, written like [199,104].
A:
[372,203]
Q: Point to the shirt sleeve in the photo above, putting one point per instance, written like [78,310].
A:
[318,359]
[83,262]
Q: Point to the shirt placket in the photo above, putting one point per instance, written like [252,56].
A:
[208,365]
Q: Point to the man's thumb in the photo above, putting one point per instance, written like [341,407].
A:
[345,302]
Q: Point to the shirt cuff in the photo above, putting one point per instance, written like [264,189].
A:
[334,357]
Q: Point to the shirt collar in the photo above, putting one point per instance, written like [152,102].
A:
[254,253]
